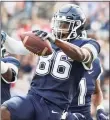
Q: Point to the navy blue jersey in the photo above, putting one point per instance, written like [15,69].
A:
[5,86]
[82,100]
[57,76]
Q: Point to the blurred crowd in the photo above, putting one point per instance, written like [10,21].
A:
[18,17]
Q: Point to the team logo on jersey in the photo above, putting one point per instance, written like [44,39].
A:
[90,72]
[54,112]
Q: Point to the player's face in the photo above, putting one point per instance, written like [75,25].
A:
[61,29]
[62,25]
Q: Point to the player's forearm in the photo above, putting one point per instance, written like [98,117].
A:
[98,99]
[73,51]
[98,95]
[15,47]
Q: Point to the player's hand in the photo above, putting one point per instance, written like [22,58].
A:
[101,115]
[3,37]
[44,35]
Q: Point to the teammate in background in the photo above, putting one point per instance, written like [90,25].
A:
[91,88]
[57,76]
[9,71]
[89,84]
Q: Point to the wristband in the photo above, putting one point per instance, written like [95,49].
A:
[86,58]
[4,67]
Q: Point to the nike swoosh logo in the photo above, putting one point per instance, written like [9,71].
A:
[90,72]
[54,112]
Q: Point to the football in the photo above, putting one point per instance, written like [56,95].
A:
[35,44]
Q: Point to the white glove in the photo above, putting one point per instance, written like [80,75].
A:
[4,67]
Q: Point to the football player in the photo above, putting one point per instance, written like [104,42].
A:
[9,71]
[81,103]
[57,76]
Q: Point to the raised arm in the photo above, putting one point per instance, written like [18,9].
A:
[85,54]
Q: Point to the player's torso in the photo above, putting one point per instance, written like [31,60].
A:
[57,76]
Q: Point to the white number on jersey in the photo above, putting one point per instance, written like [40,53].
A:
[83,91]
[43,66]
[61,67]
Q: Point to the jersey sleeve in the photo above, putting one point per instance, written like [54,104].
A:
[98,70]
[94,47]
[100,75]
[14,64]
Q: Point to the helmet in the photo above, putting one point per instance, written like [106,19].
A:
[83,34]
[68,22]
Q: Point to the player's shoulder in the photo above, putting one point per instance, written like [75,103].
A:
[93,42]
[12,60]
[82,41]
[87,42]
